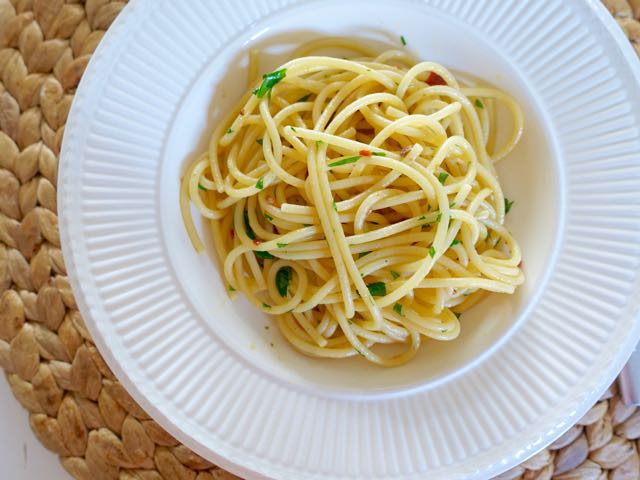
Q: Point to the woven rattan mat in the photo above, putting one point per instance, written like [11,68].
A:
[77,408]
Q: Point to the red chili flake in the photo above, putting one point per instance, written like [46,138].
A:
[257,242]
[241,111]
[405,150]
[365,153]
[435,79]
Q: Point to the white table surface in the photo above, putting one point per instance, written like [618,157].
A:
[22,457]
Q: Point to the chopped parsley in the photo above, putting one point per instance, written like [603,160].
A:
[201,187]
[319,142]
[335,207]
[306,224]
[344,161]
[260,184]
[230,288]
[457,314]
[283,278]
[269,80]
[442,177]
[455,242]
[268,217]
[379,154]
[305,98]
[403,41]
[507,205]
[397,308]
[377,289]
[230,131]
[395,275]
[265,305]
[247,226]
[432,251]
[282,245]
[479,104]
[264,255]
[259,141]
[439,217]
[363,254]
[293,129]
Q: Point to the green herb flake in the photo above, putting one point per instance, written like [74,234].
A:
[259,141]
[264,255]
[230,131]
[269,80]
[363,254]
[268,217]
[283,279]
[230,288]
[335,207]
[442,177]
[247,226]
[379,154]
[306,224]
[305,98]
[282,245]
[455,242]
[479,104]
[452,204]
[457,314]
[403,41]
[439,217]
[377,289]
[293,129]
[265,305]
[319,142]
[359,352]
[507,205]
[344,161]
[422,218]
[395,275]
[397,308]
[200,187]
[432,251]
[260,184]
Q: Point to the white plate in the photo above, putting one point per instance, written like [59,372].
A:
[525,368]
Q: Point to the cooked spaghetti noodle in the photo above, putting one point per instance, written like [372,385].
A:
[357,201]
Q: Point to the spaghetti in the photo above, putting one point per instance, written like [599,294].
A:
[356,200]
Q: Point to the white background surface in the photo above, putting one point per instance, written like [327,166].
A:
[21,455]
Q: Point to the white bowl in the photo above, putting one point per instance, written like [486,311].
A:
[525,366]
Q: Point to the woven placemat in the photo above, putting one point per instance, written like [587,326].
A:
[77,407]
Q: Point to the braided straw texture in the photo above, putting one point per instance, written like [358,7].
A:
[77,407]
